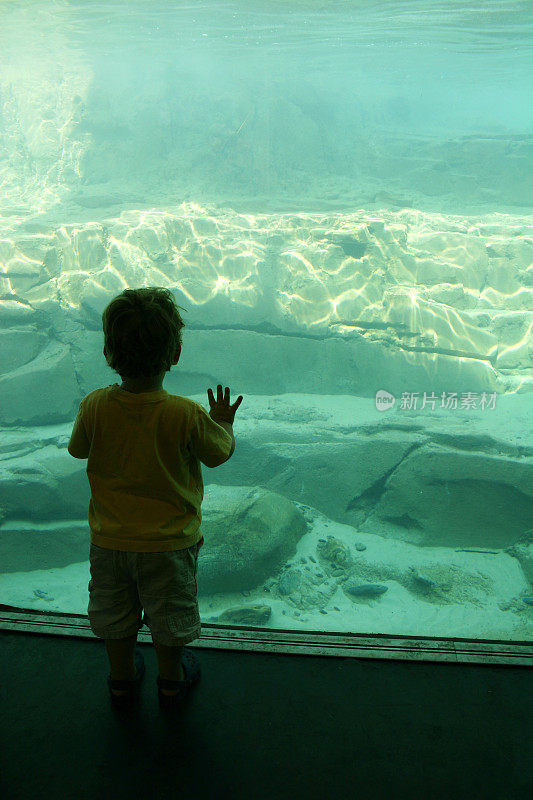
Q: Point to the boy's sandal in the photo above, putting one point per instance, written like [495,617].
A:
[133,687]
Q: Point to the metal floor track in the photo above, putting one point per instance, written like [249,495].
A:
[313,643]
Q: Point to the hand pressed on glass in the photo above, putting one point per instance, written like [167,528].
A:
[220,409]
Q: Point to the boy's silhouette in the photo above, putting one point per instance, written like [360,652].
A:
[144,448]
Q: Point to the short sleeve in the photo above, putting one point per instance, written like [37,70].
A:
[208,441]
[79,443]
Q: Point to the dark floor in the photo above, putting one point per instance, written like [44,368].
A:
[260,726]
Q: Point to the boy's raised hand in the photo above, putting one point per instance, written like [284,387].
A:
[220,409]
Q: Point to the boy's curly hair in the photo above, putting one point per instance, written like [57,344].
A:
[142,329]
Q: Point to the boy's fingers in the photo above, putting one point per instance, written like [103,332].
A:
[223,399]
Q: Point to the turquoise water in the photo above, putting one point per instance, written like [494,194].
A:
[340,196]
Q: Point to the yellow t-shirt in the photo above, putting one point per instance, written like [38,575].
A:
[144,452]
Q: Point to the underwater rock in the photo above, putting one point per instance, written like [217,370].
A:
[523,551]
[421,581]
[360,546]
[249,533]
[448,472]
[334,551]
[306,590]
[246,615]
[290,582]
[365,589]
[516,604]
[350,244]
[42,595]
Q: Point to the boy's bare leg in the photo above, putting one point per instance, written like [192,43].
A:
[170,666]
[121,660]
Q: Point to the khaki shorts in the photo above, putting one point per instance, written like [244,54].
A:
[164,585]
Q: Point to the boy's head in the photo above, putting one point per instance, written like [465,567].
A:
[142,330]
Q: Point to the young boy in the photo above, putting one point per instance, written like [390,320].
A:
[144,448]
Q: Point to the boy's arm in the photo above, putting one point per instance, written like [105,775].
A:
[229,428]
[79,444]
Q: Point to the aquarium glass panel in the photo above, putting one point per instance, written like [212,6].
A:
[336,199]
